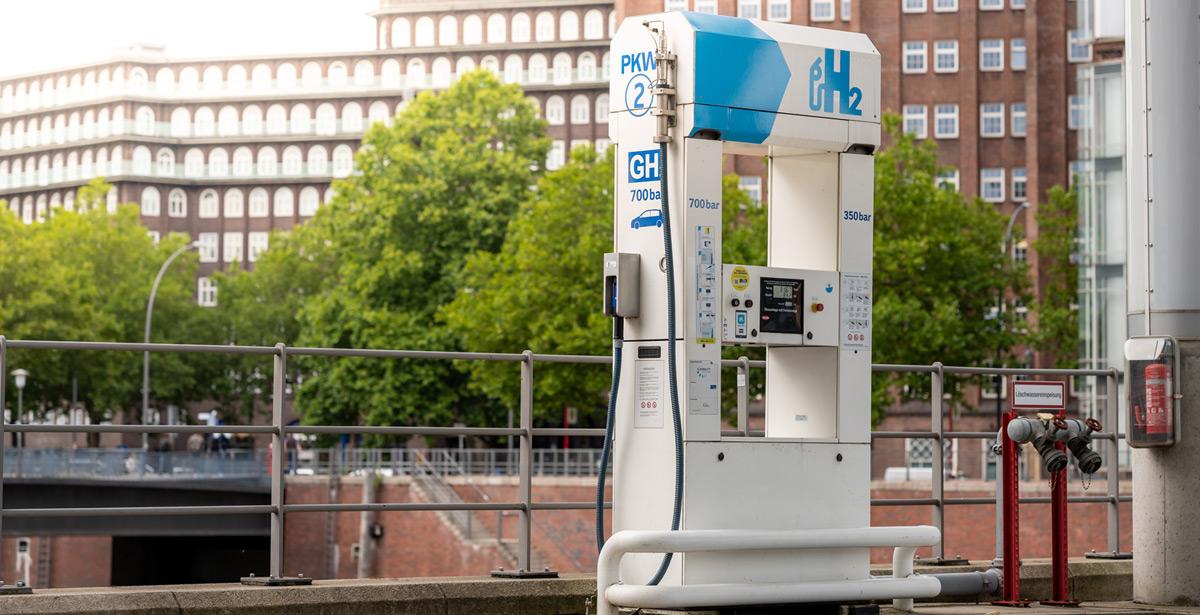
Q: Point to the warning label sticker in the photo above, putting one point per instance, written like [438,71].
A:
[649,386]
[739,278]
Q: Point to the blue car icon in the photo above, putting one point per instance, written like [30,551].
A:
[650,217]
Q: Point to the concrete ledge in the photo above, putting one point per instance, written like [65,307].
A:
[1092,580]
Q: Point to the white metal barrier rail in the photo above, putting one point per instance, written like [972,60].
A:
[525,433]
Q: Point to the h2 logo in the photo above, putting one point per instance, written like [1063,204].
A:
[824,82]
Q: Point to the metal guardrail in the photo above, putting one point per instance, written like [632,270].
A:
[525,433]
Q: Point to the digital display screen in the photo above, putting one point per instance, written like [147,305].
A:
[779,298]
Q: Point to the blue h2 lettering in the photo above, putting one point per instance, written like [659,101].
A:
[824,81]
[644,166]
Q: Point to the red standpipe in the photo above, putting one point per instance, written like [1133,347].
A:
[1011,516]
[1061,590]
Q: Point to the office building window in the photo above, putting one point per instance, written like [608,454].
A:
[257,244]
[1077,49]
[233,248]
[1021,251]
[206,292]
[916,121]
[1020,184]
[991,185]
[914,56]
[847,6]
[177,204]
[1017,4]
[1017,111]
[947,179]
[557,156]
[752,185]
[706,6]
[991,120]
[750,9]
[675,5]
[991,5]
[991,54]
[945,6]
[206,247]
[945,56]
[779,10]
[945,121]
[1016,54]
[914,6]
[1077,112]
[820,10]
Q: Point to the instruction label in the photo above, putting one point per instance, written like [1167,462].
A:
[739,278]
[706,285]
[649,385]
[704,394]
[856,311]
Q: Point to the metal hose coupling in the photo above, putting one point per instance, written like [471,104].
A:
[1054,459]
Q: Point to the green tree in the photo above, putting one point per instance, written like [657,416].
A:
[939,272]
[542,290]
[437,186]
[1057,334]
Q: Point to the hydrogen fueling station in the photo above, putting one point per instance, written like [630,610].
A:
[705,520]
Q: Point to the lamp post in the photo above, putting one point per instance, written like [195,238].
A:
[146,355]
[19,376]
[1005,250]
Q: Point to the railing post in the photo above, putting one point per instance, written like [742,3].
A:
[936,412]
[277,452]
[743,395]
[1112,398]
[3,434]
[524,535]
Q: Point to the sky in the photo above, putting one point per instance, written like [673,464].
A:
[45,34]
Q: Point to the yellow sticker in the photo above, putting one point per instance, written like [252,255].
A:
[740,278]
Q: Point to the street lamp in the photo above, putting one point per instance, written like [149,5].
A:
[146,354]
[19,375]
[1005,250]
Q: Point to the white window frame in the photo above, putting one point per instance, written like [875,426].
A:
[557,156]
[783,7]
[985,51]
[706,6]
[991,5]
[945,6]
[1018,110]
[749,9]
[232,246]
[206,292]
[950,50]
[914,49]
[996,113]
[752,186]
[995,177]
[1012,54]
[1076,112]
[943,112]
[815,14]
[206,247]
[1073,45]
[1017,5]
[675,5]
[174,210]
[947,180]
[846,9]
[916,121]
[257,242]
[914,6]
[1020,177]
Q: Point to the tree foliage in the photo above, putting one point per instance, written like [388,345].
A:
[940,272]
[1057,319]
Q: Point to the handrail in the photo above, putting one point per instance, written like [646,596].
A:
[525,432]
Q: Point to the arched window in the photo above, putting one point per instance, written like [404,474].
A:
[581,109]
[60,128]
[47,132]
[193,163]
[210,204]
[260,77]
[390,74]
[602,108]
[310,75]
[236,77]
[401,33]
[145,121]
[301,119]
[318,160]
[414,74]
[89,124]
[491,63]
[537,68]
[310,199]
[562,69]
[164,80]
[41,208]
[587,66]
[276,120]
[177,204]
[441,72]
[206,122]
[189,79]
[378,112]
[260,203]
[56,168]
[425,32]
[151,201]
[103,124]
[447,30]
[544,27]
[268,162]
[252,120]
[555,110]
[218,162]
[137,79]
[338,75]
[593,25]
[43,174]
[568,26]
[73,165]
[285,75]
[343,160]
[243,162]
[212,78]
[141,160]
[326,119]
[285,204]
[73,127]
[235,204]
[512,69]
[180,123]
[293,160]
[520,28]
[227,121]
[85,165]
[464,65]
[364,73]
[497,28]
[69,201]
[472,30]
[102,162]
[352,117]
[55,200]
